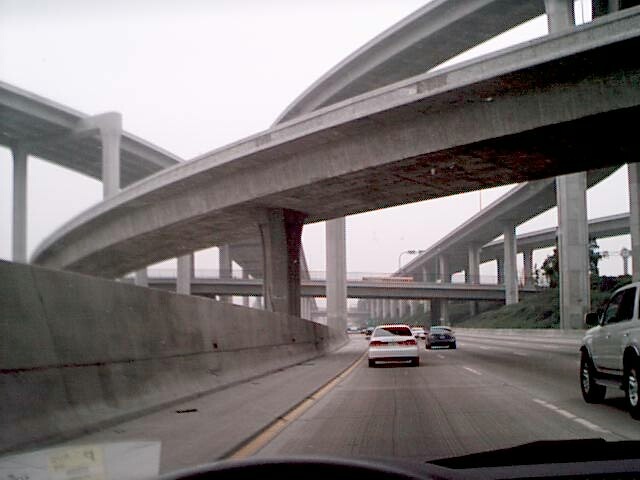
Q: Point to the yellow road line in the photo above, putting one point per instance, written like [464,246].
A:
[271,431]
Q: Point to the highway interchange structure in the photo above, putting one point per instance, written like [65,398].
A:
[83,352]
[481,123]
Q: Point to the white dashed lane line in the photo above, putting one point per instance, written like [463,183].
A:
[441,356]
[571,416]
[472,370]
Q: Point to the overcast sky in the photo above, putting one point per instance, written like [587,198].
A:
[191,76]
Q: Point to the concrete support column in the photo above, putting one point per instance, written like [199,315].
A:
[110,127]
[527,255]
[634,218]
[500,270]
[573,250]
[225,265]
[336,241]
[445,276]
[142,278]
[245,299]
[385,308]
[560,15]
[412,307]
[280,232]
[473,269]
[19,230]
[444,270]
[510,264]
[473,274]
[185,274]
[436,311]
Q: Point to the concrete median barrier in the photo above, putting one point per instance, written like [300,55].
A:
[78,353]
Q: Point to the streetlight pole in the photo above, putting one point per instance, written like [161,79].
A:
[411,252]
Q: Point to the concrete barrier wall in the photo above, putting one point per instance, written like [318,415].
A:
[529,332]
[78,353]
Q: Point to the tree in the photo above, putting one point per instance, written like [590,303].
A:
[551,265]
[551,269]
[594,258]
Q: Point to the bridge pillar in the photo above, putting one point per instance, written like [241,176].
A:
[634,218]
[336,262]
[527,255]
[510,264]
[245,299]
[500,270]
[472,273]
[573,250]
[19,229]
[110,128]
[436,311]
[385,309]
[560,15]
[280,232]
[412,307]
[142,278]
[184,274]
[225,265]
[445,277]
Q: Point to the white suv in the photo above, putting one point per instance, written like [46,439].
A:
[610,352]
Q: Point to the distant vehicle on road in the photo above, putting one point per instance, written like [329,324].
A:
[392,343]
[353,329]
[610,351]
[440,336]
[418,332]
[368,331]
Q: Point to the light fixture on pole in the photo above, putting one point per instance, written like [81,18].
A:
[411,252]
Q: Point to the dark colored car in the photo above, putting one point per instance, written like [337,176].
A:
[440,336]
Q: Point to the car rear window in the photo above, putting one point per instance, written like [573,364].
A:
[390,331]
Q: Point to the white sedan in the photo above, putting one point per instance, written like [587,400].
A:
[392,343]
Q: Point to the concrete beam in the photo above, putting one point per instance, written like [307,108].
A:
[634,218]
[336,264]
[573,250]
[19,230]
[280,232]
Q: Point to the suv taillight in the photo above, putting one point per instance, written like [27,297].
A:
[408,342]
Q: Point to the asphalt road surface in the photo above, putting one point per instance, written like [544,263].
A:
[490,393]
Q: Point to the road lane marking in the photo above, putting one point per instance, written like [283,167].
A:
[472,370]
[257,442]
[441,356]
[571,416]
[520,354]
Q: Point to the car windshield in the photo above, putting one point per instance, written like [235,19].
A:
[391,331]
[210,209]
[440,329]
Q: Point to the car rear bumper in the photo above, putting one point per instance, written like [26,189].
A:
[391,353]
[441,343]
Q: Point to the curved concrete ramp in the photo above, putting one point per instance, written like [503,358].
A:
[78,353]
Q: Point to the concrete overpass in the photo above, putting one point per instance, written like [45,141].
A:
[474,125]
[475,236]
[94,145]
[603,227]
[355,289]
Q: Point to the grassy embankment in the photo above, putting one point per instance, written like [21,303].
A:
[534,311]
